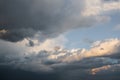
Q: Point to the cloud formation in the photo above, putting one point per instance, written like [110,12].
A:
[60,61]
[31,39]
[99,7]
[39,57]
[23,19]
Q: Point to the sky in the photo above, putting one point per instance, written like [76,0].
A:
[59,40]
[83,38]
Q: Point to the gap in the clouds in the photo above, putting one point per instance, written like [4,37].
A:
[84,37]
[77,39]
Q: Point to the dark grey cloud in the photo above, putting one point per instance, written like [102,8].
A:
[39,66]
[18,74]
[24,18]
[72,71]
[19,55]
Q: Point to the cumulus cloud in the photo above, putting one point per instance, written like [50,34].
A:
[99,48]
[61,61]
[23,19]
[42,57]
[24,56]
[105,47]
[48,44]
[36,29]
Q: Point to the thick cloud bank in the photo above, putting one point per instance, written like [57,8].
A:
[99,62]
[21,19]
[101,53]
[32,43]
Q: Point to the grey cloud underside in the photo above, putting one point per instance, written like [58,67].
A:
[72,71]
[43,66]
[24,18]
[21,21]
[71,75]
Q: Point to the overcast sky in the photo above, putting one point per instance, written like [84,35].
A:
[59,39]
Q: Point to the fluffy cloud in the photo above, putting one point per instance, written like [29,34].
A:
[38,57]
[99,48]
[48,44]
[106,47]
[78,62]
[38,23]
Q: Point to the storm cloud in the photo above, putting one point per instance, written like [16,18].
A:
[25,18]
[32,43]
[75,64]
[48,60]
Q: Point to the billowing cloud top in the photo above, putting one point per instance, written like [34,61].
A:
[25,57]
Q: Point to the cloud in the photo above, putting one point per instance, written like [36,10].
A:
[99,7]
[105,47]
[99,48]
[75,63]
[24,19]
[26,57]
[107,68]
[48,44]
[36,29]
[45,58]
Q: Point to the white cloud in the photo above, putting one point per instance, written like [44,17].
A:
[98,7]
[36,58]
[106,47]
[67,15]
[111,6]
[48,44]
[99,48]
